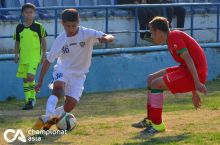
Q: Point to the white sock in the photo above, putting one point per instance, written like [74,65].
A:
[59,111]
[51,105]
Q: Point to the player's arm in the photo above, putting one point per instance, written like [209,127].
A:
[43,49]
[16,51]
[52,55]
[46,65]
[191,66]
[106,38]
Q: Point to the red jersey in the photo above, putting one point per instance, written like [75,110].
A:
[179,41]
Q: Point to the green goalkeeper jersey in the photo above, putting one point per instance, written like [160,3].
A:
[30,42]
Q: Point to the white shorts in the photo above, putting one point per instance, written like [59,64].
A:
[74,85]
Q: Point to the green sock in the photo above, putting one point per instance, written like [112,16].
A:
[27,91]
[156,91]
[32,91]
[160,127]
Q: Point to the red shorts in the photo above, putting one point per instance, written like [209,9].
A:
[179,80]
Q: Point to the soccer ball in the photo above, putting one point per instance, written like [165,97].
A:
[67,122]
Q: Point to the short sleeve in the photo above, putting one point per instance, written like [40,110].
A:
[56,49]
[179,45]
[98,34]
[43,31]
[16,36]
[54,52]
[94,34]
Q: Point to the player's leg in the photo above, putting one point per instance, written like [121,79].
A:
[155,75]
[147,120]
[32,68]
[27,94]
[73,93]
[58,92]
[156,80]
[30,101]
[150,115]
[29,85]
[26,90]
[177,80]
[22,73]
[69,105]
[47,120]
[155,105]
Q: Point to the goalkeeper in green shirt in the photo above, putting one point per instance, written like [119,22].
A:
[30,47]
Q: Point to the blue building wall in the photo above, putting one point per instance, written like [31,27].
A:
[107,73]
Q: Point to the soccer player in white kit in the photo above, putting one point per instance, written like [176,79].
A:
[73,50]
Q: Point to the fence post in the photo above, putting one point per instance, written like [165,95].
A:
[56,23]
[192,13]
[217,38]
[106,24]
[136,27]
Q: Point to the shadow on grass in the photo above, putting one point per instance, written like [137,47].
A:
[150,140]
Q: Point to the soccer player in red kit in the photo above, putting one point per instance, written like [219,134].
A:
[189,76]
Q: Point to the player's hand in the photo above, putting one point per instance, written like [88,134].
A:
[106,38]
[16,58]
[201,88]
[196,100]
[37,87]
[103,40]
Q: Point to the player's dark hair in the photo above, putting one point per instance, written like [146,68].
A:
[28,6]
[160,23]
[70,15]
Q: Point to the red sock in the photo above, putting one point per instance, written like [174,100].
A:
[148,111]
[156,115]
[155,107]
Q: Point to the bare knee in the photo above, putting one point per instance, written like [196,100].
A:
[158,84]
[70,104]
[149,80]
[154,85]
[58,91]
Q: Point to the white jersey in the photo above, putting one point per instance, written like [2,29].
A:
[74,53]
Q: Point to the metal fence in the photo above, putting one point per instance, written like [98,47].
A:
[135,7]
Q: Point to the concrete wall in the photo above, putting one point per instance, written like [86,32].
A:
[108,73]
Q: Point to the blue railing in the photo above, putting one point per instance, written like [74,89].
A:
[100,52]
[136,7]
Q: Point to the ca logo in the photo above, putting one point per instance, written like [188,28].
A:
[18,135]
